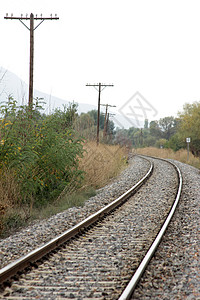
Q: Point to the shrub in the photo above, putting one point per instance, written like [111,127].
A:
[42,151]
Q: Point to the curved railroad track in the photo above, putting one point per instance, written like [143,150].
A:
[96,258]
[127,293]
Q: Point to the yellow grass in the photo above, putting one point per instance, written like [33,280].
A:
[101,163]
[180,155]
[9,193]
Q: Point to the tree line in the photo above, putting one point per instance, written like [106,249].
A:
[168,132]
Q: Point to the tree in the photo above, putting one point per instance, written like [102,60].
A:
[111,125]
[190,126]
[93,114]
[168,127]
[175,142]
[155,129]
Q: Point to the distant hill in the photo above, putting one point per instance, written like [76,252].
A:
[11,84]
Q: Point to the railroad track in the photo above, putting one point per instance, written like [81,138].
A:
[95,259]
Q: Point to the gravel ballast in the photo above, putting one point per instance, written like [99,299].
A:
[36,235]
[98,263]
[174,271]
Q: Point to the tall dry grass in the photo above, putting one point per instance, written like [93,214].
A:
[101,163]
[180,155]
[9,193]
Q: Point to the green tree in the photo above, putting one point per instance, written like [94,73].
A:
[190,126]
[93,113]
[155,130]
[168,127]
[175,142]
[111,125]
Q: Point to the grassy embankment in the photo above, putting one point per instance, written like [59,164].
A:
[100,164]
[180,155]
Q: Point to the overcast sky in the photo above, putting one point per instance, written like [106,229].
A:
[150,47]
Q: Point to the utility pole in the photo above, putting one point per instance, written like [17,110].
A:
[106,118]
[31,28]
[107,121]
[99,87]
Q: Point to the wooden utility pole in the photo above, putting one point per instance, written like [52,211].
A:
[30,99]
[106,118]
[99,87]
[31,28]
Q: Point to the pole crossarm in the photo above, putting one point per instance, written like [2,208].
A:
[108,105]
[29,18]
[98,84]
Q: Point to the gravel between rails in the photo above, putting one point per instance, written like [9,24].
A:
[99,265]
[174,271]
[35,235]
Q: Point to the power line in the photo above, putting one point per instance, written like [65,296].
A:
[31,28]
[99,87]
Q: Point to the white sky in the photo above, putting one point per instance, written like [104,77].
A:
[152,47]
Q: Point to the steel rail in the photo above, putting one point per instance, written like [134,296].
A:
[20,264]
[127,293]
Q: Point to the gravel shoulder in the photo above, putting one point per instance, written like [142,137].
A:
[174,271]
[36,235]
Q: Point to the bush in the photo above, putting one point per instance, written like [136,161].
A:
[175,143]
[42,151]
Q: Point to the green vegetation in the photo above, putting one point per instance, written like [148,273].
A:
[190,126]
[50,162]
[39,155]
[43,166]
[15,217]
[168,133]
[42,151]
